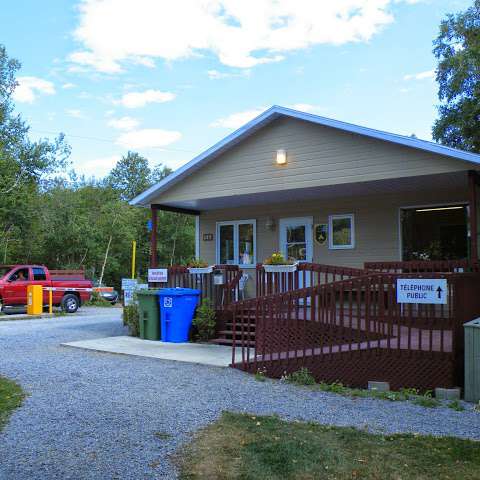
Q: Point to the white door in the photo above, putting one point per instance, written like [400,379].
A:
[296,240]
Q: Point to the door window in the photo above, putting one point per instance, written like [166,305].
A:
[296,238]
[21,275]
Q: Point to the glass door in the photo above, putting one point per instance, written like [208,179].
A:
[296,241]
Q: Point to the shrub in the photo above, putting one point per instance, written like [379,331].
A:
[300,377]
[96,300]
[131,319]
[456,405]
[204,320]
[261,374]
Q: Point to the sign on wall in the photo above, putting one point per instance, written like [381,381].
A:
[422,290]
[320,233]
[157,275]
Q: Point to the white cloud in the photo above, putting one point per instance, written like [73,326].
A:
[237,119]
[420,76]
[304,107]
[68,86]
[140,99]
[97,167]
[217,75]
[74,113]
[29,88]
[148,138]
[241,34]
[124,123]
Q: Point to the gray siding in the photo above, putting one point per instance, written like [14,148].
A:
[317,156]
[376,225]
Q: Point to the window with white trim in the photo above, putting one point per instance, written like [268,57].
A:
[341,231]
[236,243]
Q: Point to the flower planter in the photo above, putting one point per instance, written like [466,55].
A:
[200,270]
[280,268]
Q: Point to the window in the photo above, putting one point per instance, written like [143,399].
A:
[39,273]
[20,275]
[236,243]
[341,229]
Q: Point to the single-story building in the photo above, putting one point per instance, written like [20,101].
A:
[324,191]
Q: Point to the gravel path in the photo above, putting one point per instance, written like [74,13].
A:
[102,416]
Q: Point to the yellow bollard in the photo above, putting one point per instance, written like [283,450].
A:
[50,301]
[35,299]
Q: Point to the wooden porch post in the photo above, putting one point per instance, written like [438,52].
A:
[153,239]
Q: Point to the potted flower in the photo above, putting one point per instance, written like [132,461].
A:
[278,263]
[198,266]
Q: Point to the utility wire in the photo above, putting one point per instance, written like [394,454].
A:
[105,140]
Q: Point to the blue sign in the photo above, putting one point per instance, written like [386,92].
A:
[149,225]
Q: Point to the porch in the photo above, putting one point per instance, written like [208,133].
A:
[347,325]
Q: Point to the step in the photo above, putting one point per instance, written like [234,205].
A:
[239,325]
[239,334]
[229,341]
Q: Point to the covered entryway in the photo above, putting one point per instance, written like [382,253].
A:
[435,232]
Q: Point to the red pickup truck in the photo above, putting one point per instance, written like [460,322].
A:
[70,287]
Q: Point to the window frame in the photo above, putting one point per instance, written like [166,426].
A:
[342,216]
[236,253]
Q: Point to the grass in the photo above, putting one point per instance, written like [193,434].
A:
[303,377]
[240,446]
[11,397]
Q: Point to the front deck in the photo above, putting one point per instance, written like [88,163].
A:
[345,324]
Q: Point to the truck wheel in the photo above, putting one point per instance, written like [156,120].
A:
[70,303]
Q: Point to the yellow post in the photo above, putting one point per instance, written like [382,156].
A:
[50,301]
[134,251]
[35,299]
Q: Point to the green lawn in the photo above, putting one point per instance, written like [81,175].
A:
[248,447]
[11,397]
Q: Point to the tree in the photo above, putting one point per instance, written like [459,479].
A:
[130,176]
[457,48]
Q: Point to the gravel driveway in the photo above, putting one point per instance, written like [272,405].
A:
[103,416]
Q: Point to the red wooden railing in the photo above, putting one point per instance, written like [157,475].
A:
[307,274]
[354,331]
[420,266]
[220,295]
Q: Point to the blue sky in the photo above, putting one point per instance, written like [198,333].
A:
[170,78]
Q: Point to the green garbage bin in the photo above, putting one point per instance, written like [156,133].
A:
[149,315]
[472,360]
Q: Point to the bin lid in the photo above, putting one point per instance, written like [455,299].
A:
[474,323]
[172,292]
[153,291]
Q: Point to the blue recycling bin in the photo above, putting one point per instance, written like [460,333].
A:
[177,306]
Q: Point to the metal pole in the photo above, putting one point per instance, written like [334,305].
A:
[473,216]
[153,239]
[134,252]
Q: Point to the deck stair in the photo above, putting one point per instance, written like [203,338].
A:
[245,325]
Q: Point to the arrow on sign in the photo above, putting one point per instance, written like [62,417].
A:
[439,291]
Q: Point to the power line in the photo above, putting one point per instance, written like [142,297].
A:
[105,140]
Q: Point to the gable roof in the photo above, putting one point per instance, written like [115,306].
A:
[272,114]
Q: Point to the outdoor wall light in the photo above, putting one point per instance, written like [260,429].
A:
[270,224]
[281,157]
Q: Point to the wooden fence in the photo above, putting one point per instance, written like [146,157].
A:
[306,275]
[220,295]
[354,331]
[420,266]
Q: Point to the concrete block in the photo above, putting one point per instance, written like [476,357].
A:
[379,386]
[447,393]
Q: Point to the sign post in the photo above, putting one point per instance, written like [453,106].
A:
[422,290]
